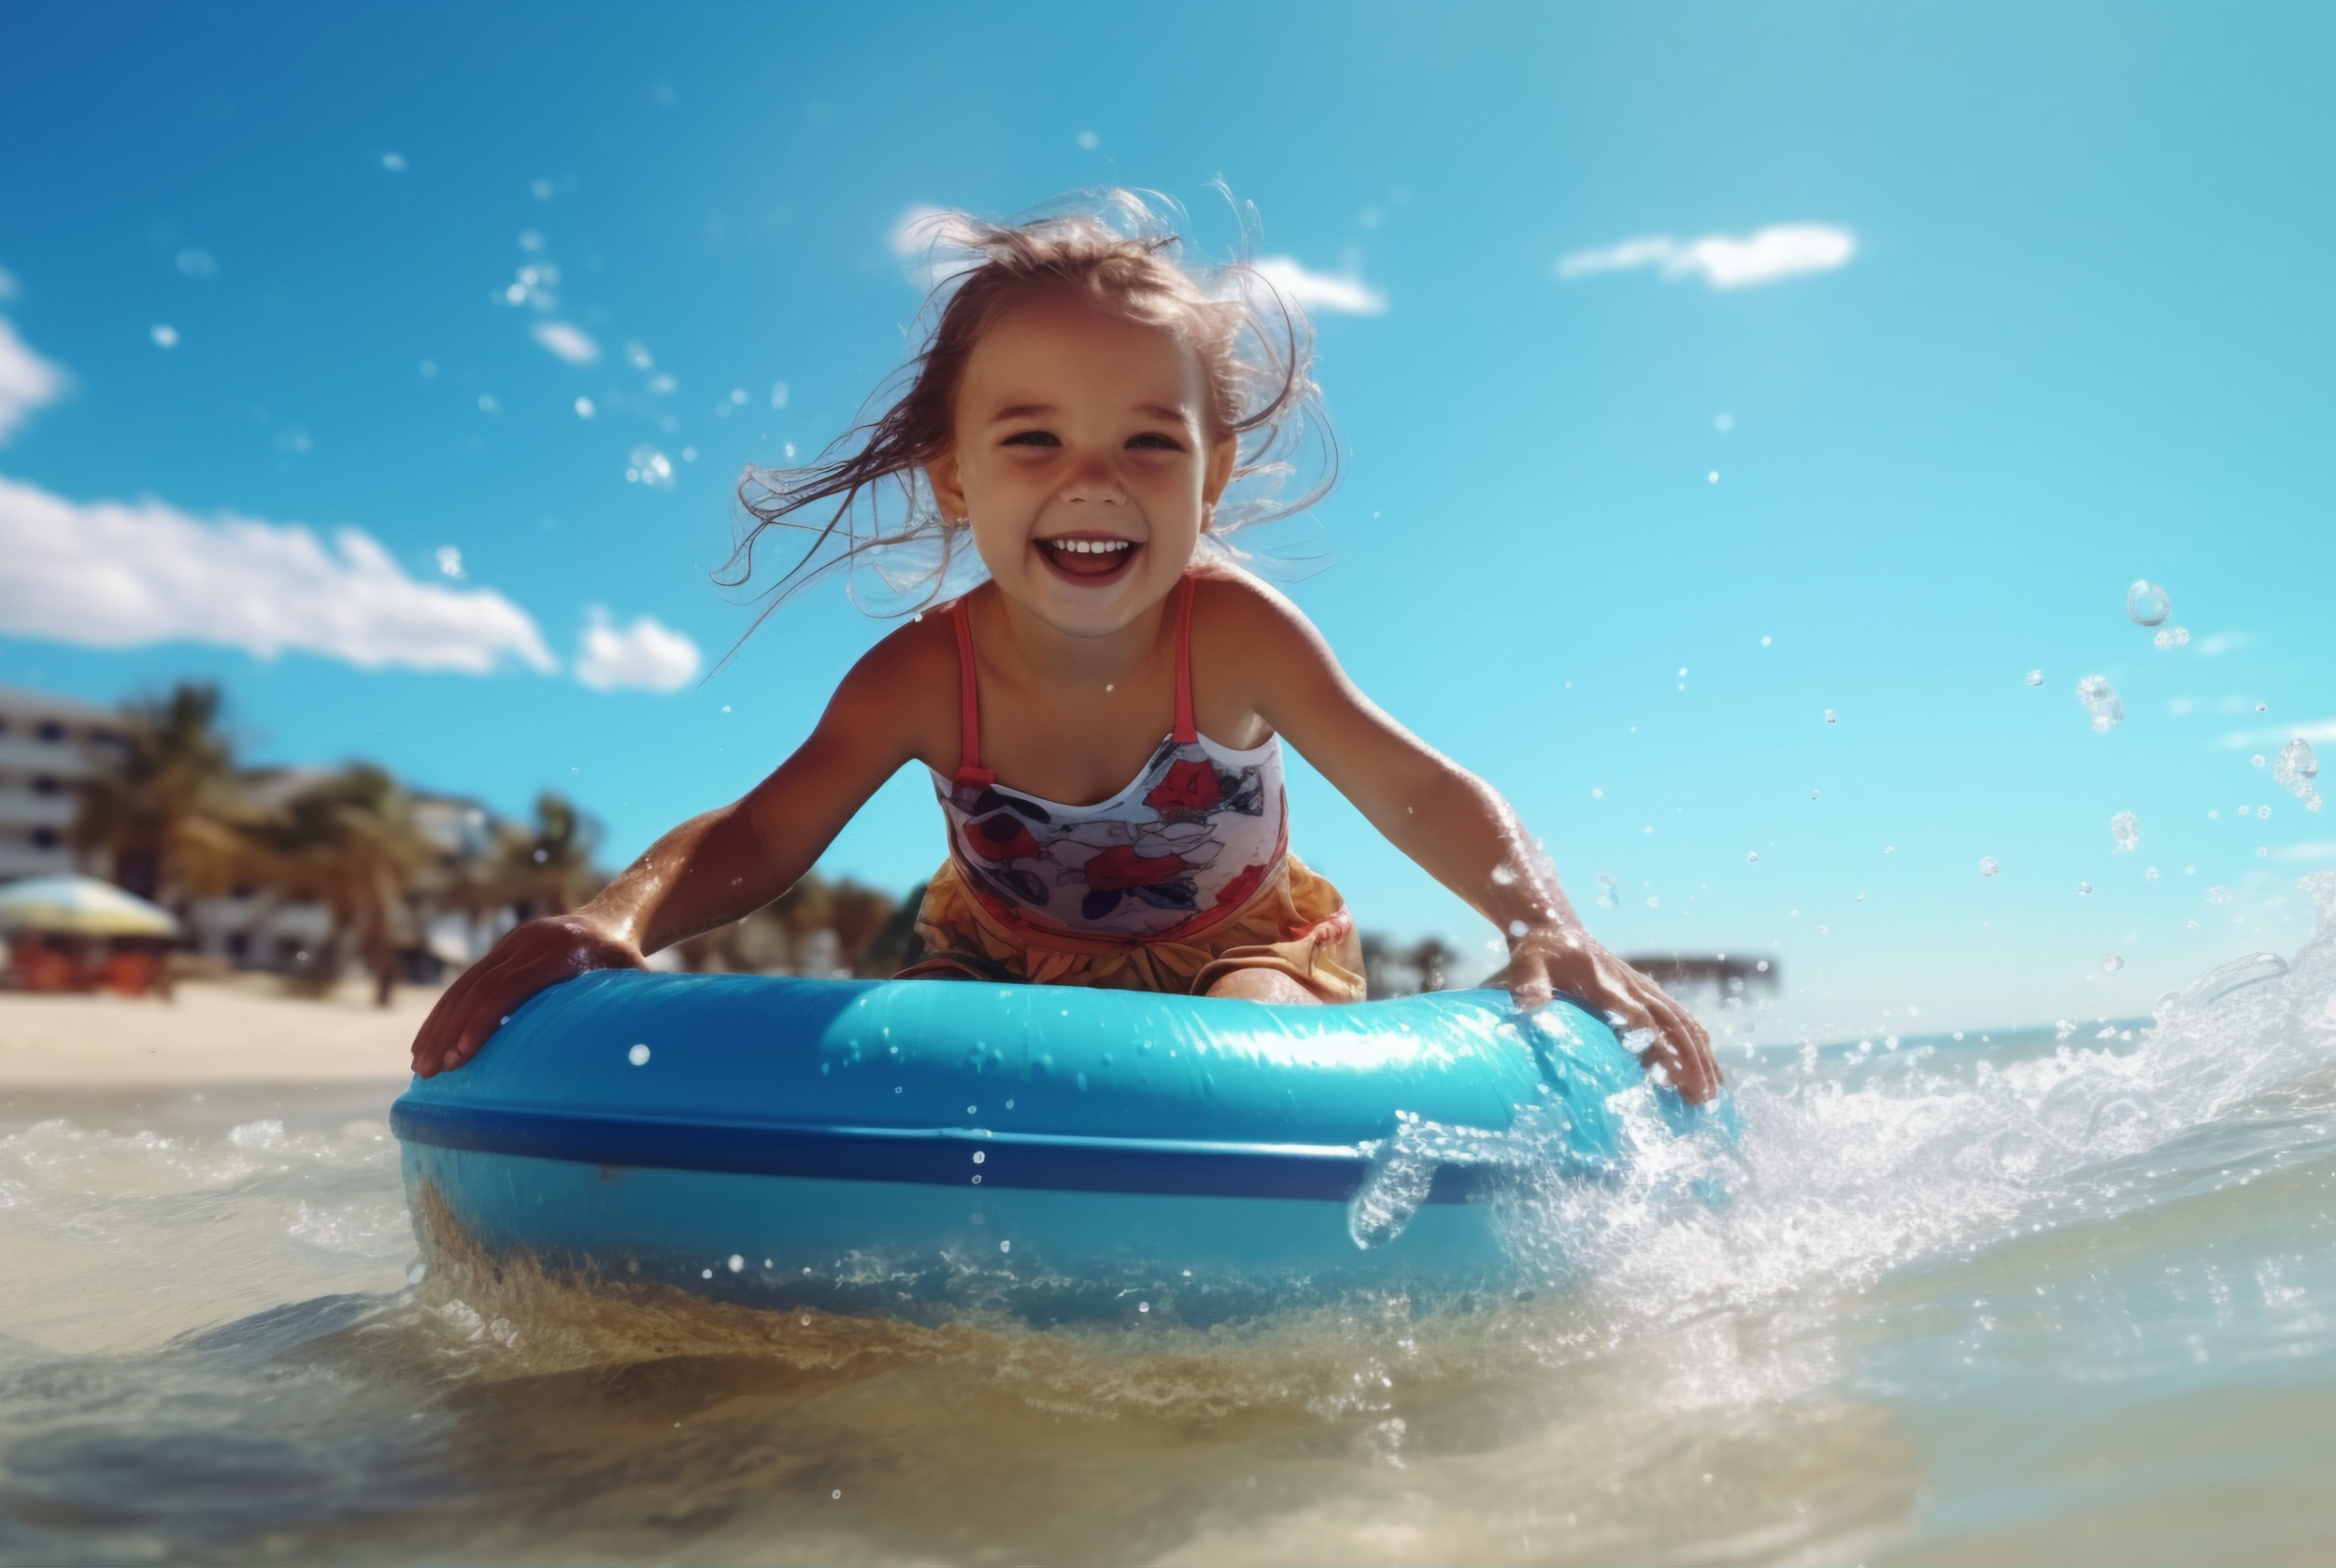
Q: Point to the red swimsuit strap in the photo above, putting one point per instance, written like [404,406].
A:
[969,768]
[1187,731]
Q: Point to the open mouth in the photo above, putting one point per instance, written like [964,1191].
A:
[1088,558]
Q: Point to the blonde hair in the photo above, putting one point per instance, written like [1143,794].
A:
[1121,248]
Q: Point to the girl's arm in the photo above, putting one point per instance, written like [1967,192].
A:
[1452,823]
[712,869]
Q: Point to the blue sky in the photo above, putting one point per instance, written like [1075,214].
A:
[2054,318]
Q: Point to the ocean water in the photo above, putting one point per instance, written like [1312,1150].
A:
[2061,1293]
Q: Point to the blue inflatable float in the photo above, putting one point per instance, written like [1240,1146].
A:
[910,1145]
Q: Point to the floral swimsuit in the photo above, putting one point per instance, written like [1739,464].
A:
[1188,843]
[1178,881]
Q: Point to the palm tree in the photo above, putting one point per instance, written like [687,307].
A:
[348,841]
[546,870]
[166,804]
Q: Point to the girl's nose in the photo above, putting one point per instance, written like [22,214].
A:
[1097,484]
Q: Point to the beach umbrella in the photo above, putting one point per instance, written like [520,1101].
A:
[81,906]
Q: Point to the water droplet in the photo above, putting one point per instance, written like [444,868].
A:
[2256,761]
[2111,965]
[838,1494]
[2147,605]
[736,1263]
[2101,700]
[1652,903]
[1765,641]
[1503,876]
[705,1274]
[164,336]
[2126,830]
[980,1157]
[1752,855]
[1606,887]
[2084,887]
[2172,636]
[585,409]
[1519,928]
[1828,717]
[1989,865]
[2150,875]
[1142,1306]
[1597,793]
[2035,678]
[638,1055]
[1006,1247]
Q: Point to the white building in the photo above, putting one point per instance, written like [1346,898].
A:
[46,746]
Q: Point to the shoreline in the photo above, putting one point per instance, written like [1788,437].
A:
[213,1032]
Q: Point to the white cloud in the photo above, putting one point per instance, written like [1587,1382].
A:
[106,574]
[571,344]
[645,654]
[2319,732]
[1321,290]
[27,381]
[2313,849]
[931,241]
[1767,255]
[2225,642]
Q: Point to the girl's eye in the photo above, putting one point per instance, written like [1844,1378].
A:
[1031,438]
[1152,441]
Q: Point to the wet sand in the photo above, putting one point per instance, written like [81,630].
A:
[242,1031]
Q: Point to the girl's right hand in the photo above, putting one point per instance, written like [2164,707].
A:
[530,958]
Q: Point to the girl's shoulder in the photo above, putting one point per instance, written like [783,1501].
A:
[1235,613]
[906,686]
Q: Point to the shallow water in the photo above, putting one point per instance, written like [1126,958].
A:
[2046,1295]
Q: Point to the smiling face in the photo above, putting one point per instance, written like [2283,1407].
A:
[1087,459]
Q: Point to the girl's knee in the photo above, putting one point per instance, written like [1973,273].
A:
[1263,985]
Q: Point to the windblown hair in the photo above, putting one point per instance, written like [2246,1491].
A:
[1121,248]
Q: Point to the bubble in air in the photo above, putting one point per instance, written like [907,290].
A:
[2257,761]
[2147,605]
[1606,889]
[1753,855]
[1989,865]
[2084,887]
[2111,965]
[2101,700]
[2172,636]
[2035,678]
[638,1056]
[2126,830]
[1828,717]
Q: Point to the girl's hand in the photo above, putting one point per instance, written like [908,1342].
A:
[530,957]
[1543,963]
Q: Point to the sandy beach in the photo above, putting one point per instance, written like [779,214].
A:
[211,1032]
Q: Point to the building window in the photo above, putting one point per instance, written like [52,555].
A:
[51,729]
[44,838]
[44,785]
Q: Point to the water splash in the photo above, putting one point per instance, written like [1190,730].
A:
[2147,605]
[2126,830]
[2297,772]
[2101,700]
[2171,637]
[1989,865]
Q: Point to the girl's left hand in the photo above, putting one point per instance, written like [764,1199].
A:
[1570,962]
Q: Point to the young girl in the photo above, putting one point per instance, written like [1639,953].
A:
[1103,716]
